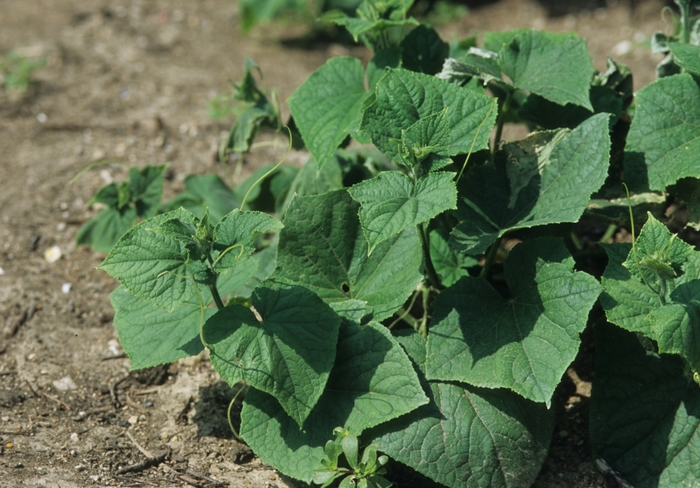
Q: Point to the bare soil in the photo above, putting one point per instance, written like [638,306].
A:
[128,81]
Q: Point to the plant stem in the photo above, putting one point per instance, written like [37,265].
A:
[500,122]
[488,260]
[429,267]
[423,328]
[684,5]
[217,298]
[609,233]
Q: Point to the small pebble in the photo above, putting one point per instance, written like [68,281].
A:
[41,117]
[52,254]
[123,423]
[65,288]
[61,226]
[133,420]
[74,437]
[147,404]
[2,271]
[64,384]
[80,467]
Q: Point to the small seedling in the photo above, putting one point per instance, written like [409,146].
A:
[16,71]
[367,473]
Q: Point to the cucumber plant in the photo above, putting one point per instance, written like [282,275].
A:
[385,301]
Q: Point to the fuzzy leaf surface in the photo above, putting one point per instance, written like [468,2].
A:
[150,336]
[391,202]
[546,178]
[672,321]
[289,354]
[234,237]
[327,106]
[524,342]
[155,267]
[552,65]
[645,413]
[372,382]
[403,97]
[687,56]
[468,436]
[322,247]
[664,139]
[449,264]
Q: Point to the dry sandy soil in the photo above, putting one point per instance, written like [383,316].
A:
[128,81]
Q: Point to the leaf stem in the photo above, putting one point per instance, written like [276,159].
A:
[500,121]
[215,295]
[686,28]
[423,328]
[488,260]
[429,267]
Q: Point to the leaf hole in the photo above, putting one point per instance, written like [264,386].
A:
[345,287]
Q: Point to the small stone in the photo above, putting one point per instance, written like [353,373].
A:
[133,420]
[98,154]
[2,271]
[74,437]
[64,384]
[61,226]
[65,288]
[41,117]
[52,254]
[80,467]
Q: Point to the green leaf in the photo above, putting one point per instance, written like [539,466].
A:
[248,124]
[550,115]
[524,342]
[468,436]
[552,65]
[254,12]
[151,336]
[391,202]
[372,382]
[327,106]
[289,353]
[103,230]
[310,180]
[155,267]
[264,263]
[687,56]
[322,247]
[234,237]
[403,97]
[627,301]
[663,281]
[203,192]
[386,58]
[496,40]
[664,139]
[546,178]
[373,19]
[423,50]
[645,414]
[146,187]
[449,264]
[427,142]
[687,191]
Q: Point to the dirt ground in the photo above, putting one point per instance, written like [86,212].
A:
[128,81]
